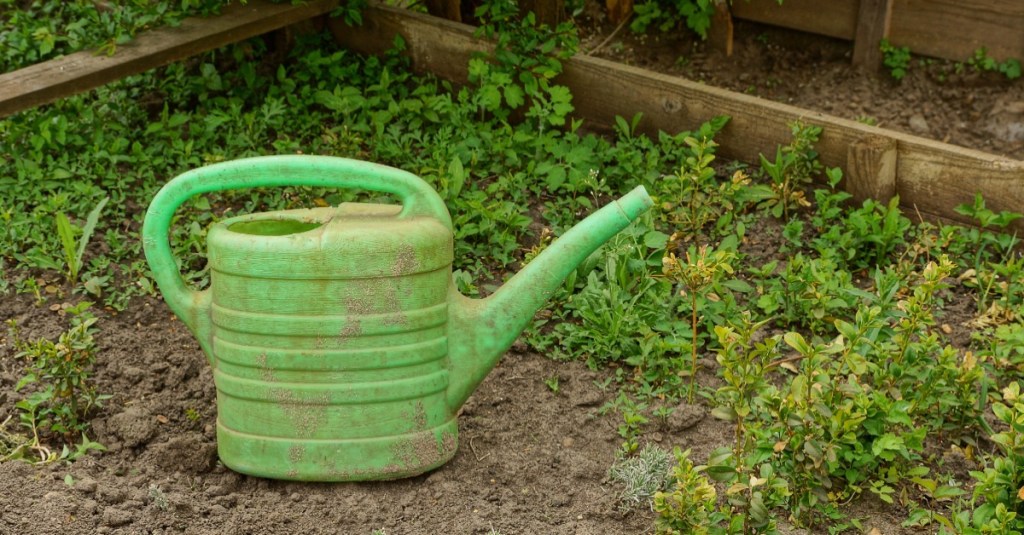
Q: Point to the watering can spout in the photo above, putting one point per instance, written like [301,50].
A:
[482,329]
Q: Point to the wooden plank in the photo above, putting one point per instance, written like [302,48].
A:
[619,10]
[870,170]
[951,29]
[931,177]
[873,20]
[82,71]
[835,18]
[550,12]
[954,29]
[720,32]
[449,9]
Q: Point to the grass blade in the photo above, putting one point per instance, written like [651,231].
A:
[90,225]
[67,241]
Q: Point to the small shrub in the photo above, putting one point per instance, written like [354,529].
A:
[641,475]
[688,508]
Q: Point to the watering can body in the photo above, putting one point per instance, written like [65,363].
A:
[340,349]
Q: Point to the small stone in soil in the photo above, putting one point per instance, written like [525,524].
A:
[116,517]
[216,490]
[918,124]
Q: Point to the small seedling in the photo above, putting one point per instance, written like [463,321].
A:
[158,496]
[896,58]
[61,393]
[74,248]
[552,383]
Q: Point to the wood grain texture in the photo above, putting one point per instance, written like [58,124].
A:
[550,12]
[619,10]
[954,29]
[449,9]
[81,71]
[931,177]
[873,22]
[870,171]
[951,29]
[834,18]
[721,30]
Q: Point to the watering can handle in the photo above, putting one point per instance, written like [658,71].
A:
[193,307]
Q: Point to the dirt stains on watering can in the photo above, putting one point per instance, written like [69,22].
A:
[305,415]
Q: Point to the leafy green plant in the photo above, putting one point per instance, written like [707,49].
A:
[983,62]
[73,254]
[865,236]
[689,506]
[794,167]
[37,30]
[701,268]
[754,488]
[61,394]
[895,58]
[669,14]
[520,75]
[999,488]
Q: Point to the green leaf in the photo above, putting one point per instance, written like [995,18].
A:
[721,472]
[514,96]
[797,342]
[738,285]
[67,240]
[724,413]
[456,177]
[885,445]
[655,240]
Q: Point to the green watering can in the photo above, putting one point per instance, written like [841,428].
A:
[341,349]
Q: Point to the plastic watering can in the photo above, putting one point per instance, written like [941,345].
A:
[341,350]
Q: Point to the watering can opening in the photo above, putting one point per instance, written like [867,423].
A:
[274,227]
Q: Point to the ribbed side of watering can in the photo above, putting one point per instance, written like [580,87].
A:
[330,343]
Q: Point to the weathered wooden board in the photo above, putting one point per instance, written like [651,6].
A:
[81,71]
[931,177]
[873,22]
[951,29]
[954,29]
[834,18]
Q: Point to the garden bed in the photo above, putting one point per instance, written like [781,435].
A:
[539,435]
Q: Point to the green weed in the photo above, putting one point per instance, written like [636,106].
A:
[669,14]
[74,240]
[60,391]
[895,58]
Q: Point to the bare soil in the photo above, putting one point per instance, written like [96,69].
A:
[530,460]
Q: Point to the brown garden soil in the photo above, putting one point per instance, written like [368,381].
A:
[530,460]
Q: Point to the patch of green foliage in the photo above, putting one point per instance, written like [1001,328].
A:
[983,62]
[58,392]
[895,58]
[38,30]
